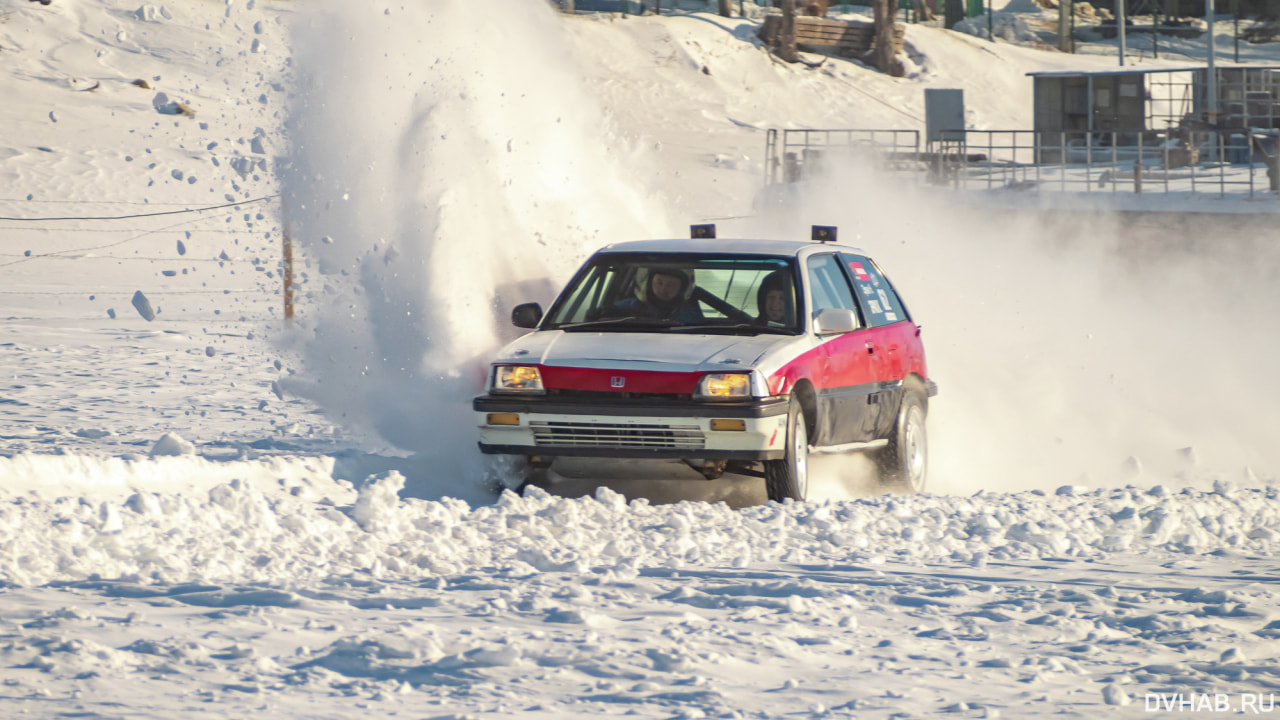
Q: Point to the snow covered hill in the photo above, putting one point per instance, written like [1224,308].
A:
[212,513]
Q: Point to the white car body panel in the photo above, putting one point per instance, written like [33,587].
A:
[665,352]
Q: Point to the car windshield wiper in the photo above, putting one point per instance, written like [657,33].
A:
[627,322]
[734,328]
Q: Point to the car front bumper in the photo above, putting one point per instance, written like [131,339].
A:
[550,428]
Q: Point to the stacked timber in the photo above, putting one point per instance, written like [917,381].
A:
[841,38]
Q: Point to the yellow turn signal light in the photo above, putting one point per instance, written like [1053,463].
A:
[503,419]
[725,424]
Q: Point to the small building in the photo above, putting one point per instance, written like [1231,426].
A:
[1121,106]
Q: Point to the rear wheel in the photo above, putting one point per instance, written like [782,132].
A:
[789,477]
[904,462]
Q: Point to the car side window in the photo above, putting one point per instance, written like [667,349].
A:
[828,286]
[880,304]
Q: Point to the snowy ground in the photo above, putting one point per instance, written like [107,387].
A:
[314,539]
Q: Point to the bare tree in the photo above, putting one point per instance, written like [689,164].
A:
[787,35]
[725,10]
[884,56]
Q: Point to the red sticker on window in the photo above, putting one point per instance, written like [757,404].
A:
[859,272]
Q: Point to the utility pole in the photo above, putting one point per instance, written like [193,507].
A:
[1155,30]
[1120,27]
[1213,73]
[286,275]
[1235,18]
[1064,25]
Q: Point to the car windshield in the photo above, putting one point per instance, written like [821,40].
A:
[674,293]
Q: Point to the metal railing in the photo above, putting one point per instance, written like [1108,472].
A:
[789,154]
[1221,163]
[1198,162]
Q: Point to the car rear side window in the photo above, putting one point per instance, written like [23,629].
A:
[828,286]
[880,304]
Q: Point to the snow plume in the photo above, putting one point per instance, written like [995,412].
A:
[1072,347]
[446,164]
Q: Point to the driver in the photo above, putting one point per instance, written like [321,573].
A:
[665,297]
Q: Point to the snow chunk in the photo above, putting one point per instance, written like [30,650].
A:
[143,306]
[675,661]
[1233,656]
[376,505]
[1113,695]
[171,444]
[575,617]
[92,433]
[151,13]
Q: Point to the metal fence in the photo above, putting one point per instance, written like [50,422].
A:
[1236,163]
[789,154]
[1198,162]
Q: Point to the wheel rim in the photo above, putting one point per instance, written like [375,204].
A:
[915,448]
[801,454]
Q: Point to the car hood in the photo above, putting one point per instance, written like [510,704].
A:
[663,352]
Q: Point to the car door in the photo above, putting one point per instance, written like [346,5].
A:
[892,339]
[846,384]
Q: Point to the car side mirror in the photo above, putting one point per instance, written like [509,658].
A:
[527,315]
[834,321]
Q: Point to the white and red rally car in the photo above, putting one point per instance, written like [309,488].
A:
[733,355]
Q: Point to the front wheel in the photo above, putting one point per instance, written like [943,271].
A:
[789,477]
[904,462]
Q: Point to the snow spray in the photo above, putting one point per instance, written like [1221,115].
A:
[1070,349]
[447,163]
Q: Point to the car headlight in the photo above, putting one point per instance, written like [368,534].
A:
[729,386]
[521,379]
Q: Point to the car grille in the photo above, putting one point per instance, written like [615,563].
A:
[600,435]
[615,397]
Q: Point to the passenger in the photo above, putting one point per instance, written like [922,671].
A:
[776,300]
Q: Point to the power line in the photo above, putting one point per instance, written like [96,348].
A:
[129,230]
[150,293]
[93,202]
[144,215]
[103,247]
[179,260]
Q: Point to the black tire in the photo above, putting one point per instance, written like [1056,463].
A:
[904,462]
[789,477]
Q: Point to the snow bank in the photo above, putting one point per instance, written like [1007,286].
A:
[237,532]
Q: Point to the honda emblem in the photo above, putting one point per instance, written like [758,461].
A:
[618,381]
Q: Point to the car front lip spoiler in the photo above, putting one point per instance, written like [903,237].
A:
[631,453]
[767,407]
